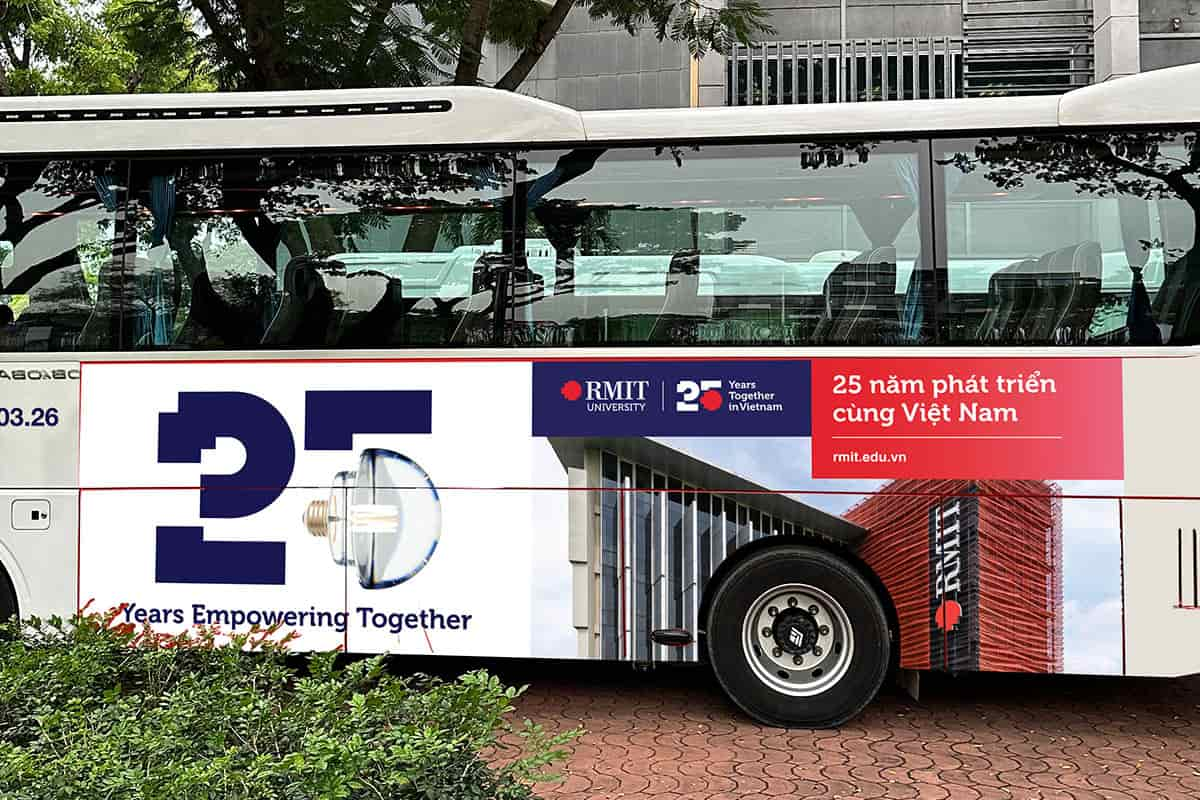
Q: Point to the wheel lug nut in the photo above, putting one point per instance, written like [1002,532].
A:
[813,610]
[793,602]
[817,651]
[824,630]
[777,652]
[772,611]
[766,632]
[797,661]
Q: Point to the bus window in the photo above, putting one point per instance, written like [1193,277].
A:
[761,244]
[60,275]
[1071,239]
[346,251]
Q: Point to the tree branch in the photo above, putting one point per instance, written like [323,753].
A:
[221,35]
[528,59]
[1176,182]
[470,51]
[11,51]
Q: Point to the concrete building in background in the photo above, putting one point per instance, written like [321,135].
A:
[863,50]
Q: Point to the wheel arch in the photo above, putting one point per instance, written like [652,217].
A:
[828,545]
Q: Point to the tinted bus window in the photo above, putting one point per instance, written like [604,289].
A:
[1072,239]
[771,244]
[60,274]
[346,251]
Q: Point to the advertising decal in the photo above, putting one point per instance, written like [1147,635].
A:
[426,506]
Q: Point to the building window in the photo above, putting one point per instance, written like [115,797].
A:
[718,533]
[675,536]
[687,584]
[643,521]
[658,567]
[704,539]
[731,512]
[609,579]
[832,71]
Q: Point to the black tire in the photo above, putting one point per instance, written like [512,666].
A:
[741,591]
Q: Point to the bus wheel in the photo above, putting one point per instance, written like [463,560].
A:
[798,637]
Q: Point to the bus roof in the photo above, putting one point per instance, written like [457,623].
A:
[456,116]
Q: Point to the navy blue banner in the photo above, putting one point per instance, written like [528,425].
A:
[672,398]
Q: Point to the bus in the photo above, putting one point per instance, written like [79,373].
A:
[814,394]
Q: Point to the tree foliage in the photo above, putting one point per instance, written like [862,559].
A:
[61,46]
[72,47]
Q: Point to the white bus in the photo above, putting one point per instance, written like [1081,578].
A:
[809,393]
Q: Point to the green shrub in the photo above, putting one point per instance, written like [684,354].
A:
[90,709]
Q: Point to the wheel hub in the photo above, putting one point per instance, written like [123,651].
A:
[795,631]
[798,639]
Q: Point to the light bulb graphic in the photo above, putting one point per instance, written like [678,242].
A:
[392,518]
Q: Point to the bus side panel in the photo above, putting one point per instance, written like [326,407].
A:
[1162,605]
[1161,545]
[39,428]
[542,516]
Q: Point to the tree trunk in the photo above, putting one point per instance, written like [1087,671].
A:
[546,32]
[264,24]
[470,52]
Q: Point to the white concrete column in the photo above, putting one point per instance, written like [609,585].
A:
[1116,37]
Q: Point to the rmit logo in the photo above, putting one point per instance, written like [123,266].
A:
[947,565]
[605,391]
[947,615]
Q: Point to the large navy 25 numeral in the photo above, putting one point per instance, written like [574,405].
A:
[182,554]
[331,418]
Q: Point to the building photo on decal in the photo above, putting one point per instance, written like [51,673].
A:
[975,569]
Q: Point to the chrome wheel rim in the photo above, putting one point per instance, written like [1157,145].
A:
[797,639]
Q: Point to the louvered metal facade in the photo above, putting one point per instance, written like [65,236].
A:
[854,70]
[1026,46]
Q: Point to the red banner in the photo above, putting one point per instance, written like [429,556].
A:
[1046,418]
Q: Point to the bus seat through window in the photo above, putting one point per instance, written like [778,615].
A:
[683,307]
[860,300]
[376,310]
[1006,301]
[306,311]
[213,322]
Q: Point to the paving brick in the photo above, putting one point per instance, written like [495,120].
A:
[671,734]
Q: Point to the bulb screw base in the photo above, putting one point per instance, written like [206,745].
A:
[316,518]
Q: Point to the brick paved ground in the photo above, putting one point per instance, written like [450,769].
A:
[671,734]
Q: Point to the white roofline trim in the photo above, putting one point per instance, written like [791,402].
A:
[479,117]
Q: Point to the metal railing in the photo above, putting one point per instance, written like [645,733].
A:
[851,70]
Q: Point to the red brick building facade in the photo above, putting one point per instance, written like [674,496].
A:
[974,569]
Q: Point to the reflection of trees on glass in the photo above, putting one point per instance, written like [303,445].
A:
[244,219]
[689,244]
[1161,168]
[71,187]
[57,230]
